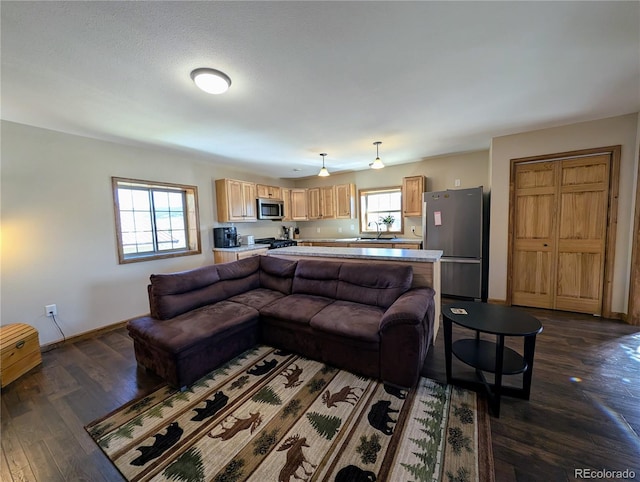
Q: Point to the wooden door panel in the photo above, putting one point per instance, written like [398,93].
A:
[585,171]
[582,229]
[541,174]
[534,214]
[532,268]
[532,286]
[583,215]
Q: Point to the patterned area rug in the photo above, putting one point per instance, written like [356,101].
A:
[270,415]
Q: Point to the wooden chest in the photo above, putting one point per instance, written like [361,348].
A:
[19,351]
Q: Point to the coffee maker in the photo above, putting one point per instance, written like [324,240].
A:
[226,237]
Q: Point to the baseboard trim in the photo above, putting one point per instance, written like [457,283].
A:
[494,301]
[87,334]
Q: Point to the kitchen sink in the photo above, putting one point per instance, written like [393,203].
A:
[373,238]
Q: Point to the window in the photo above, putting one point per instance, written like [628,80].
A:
[378,206]
[155,220]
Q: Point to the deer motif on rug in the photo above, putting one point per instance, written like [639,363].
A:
[252,422]
[295,459]
[292,374]
[347,394]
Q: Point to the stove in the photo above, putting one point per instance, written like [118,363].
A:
[276,243]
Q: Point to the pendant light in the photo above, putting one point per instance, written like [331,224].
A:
[323,172]
[377,164]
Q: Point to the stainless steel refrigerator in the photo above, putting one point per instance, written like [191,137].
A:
[456,222]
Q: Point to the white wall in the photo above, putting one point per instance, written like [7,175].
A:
[58,234]
[621,130]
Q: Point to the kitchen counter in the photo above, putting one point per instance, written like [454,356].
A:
[387,254]
[242,248]
[226,255]
[425,263]
[360,240]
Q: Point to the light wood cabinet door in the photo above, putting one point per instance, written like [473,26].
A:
[327,202]
[412,189]
[236,200]
[286,200]
[406,246]
[313,204]
[249,200]
[299,205]
[268,192]
[345,201]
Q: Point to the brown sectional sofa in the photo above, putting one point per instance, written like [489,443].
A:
[362,317]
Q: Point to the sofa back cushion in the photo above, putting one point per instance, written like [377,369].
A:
[318,278]
[373,284]
[277,273]
[175,293]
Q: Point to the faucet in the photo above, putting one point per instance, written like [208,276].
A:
[377,228]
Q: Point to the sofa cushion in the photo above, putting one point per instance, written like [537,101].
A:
[349,319]
[373,284]
[297,308]
[257,298]
[184,281]
[319,278]
[197,327]
[277,273]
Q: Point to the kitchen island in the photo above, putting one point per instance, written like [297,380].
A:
[425,263]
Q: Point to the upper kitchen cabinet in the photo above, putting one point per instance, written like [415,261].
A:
[313,203]
[286,199]
[269,192]
[345,201]
[299,211]
[236,200]
[321,203]
[412,189]
[327,202]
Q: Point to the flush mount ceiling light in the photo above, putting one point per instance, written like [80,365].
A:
[377,164]
[211,81]
[323,172]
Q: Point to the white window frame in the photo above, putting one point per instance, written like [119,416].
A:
[190,220]
[368,217]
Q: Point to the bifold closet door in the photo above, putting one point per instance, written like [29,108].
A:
[582,223]
[534,236]
[559,239]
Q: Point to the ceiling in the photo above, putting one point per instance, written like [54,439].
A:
[425,78]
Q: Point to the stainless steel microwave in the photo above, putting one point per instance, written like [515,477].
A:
[270,209]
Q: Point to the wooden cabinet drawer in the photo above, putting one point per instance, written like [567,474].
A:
[19,351]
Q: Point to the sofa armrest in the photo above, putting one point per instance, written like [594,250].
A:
[410,308]
[405,332]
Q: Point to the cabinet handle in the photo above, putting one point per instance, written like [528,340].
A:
[20,344]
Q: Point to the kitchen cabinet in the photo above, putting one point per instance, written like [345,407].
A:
[227,256]
[299,211]
[345,201]
[327,202]
[412,189]
[313,203]
[269,192]
[236,200]
[286,199]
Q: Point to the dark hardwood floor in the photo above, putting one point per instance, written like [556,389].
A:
[584,411]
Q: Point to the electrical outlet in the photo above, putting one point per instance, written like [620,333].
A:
[317,230]
[352,227]
[51,310]
[456,183]
[413,229]
[339,230]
